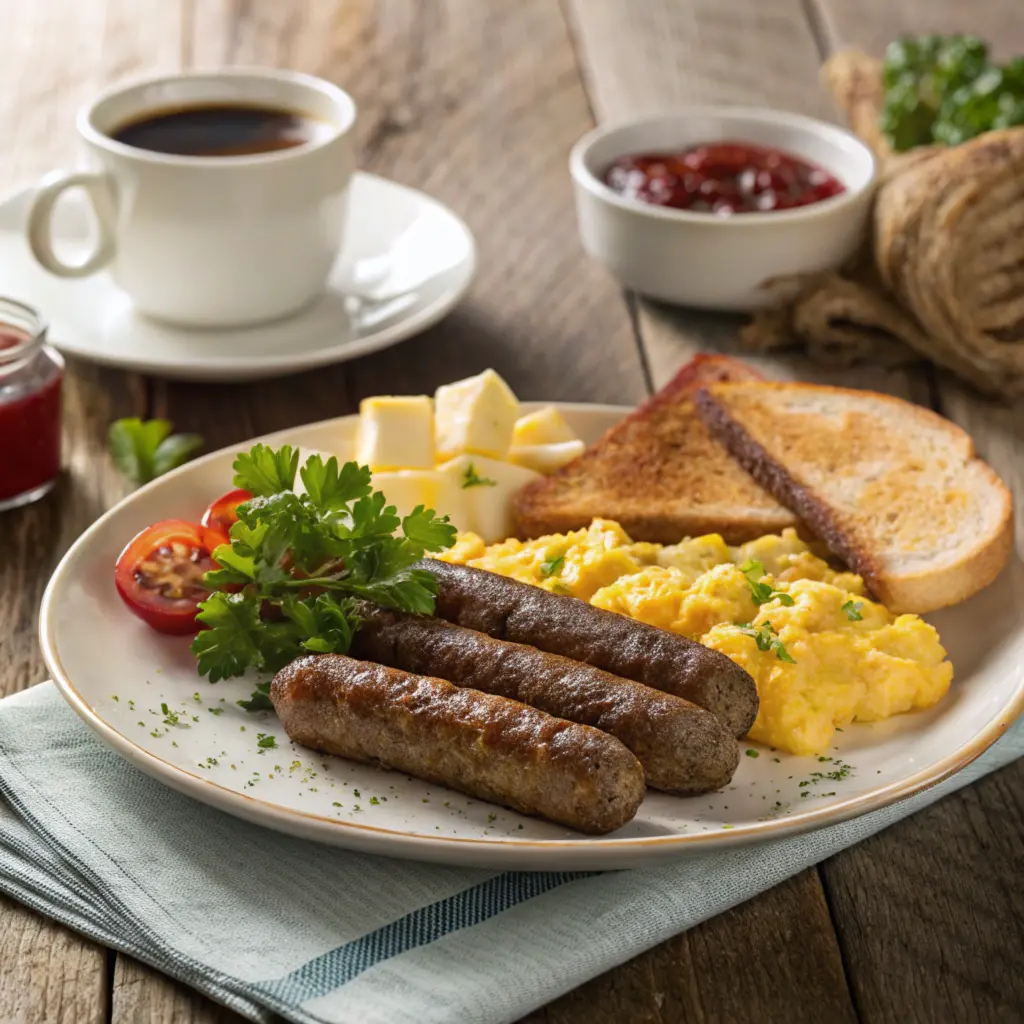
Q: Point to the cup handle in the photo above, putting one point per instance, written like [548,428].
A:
[100,190]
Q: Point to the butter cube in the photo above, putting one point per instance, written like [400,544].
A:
[544,426]
[396,433]
[476,415]
[545,458]
[432,488]
[489,486]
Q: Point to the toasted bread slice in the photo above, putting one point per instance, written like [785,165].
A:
[658,473]
[894,489]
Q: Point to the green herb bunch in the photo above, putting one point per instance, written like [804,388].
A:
[946,90]
[289,581]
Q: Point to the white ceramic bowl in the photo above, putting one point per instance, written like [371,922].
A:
[739,262]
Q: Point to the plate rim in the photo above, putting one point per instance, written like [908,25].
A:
[222,368]
[399,843]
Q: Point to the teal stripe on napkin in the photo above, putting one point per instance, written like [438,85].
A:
[330,971]
[266,923]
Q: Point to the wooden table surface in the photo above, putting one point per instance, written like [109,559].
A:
[478,102]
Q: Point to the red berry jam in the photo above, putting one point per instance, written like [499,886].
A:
[723,178]
[30,383]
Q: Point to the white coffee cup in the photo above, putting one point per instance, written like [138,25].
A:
[210,240]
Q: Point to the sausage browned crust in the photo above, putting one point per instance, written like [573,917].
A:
[683,748]
[509,610]
[489,747]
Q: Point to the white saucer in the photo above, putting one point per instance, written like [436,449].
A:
[406,262]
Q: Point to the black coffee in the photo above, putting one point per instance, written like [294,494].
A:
[221,129]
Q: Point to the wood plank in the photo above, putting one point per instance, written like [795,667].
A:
[870,25]
[48,975]
[929,912]
[59,54]
[666,985]
[939,935]
[144,994]
[654,57]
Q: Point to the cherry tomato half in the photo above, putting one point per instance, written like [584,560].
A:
[159,575]
[221,514]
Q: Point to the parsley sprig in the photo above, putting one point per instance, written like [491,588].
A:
[298,563]
[767,640]
[145,449]
[762,592]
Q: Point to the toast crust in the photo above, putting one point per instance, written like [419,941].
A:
[921,591]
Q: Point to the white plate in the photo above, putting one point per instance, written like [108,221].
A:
[97,651]
[406,262]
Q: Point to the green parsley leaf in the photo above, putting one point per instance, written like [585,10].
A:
[852,609]
[753,753]
[235,565]
[327,622]
[265,741]
[259,701]
[170,717]
[767,640]
[263,472]
[145,449]
[553,566]
[762,593]
[330,488]
[752,568]
[426,531]
[782,654]
[237,638]
[471,479]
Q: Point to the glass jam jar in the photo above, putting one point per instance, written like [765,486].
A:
[31,373]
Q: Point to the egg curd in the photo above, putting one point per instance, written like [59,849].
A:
[822,654]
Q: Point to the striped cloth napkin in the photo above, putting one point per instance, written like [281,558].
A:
[269,924]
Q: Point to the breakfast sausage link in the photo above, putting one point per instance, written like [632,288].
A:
[683,748]
[509,610]
[489,747]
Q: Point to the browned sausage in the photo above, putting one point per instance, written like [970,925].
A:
[683,748]
[509,610]
[489,747]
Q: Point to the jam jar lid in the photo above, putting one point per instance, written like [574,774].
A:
[22,334]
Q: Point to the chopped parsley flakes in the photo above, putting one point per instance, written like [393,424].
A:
[170,717]
[472,479]
[767,640]
[852,609]
[553,566]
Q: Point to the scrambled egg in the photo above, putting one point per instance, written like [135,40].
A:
[822,654]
